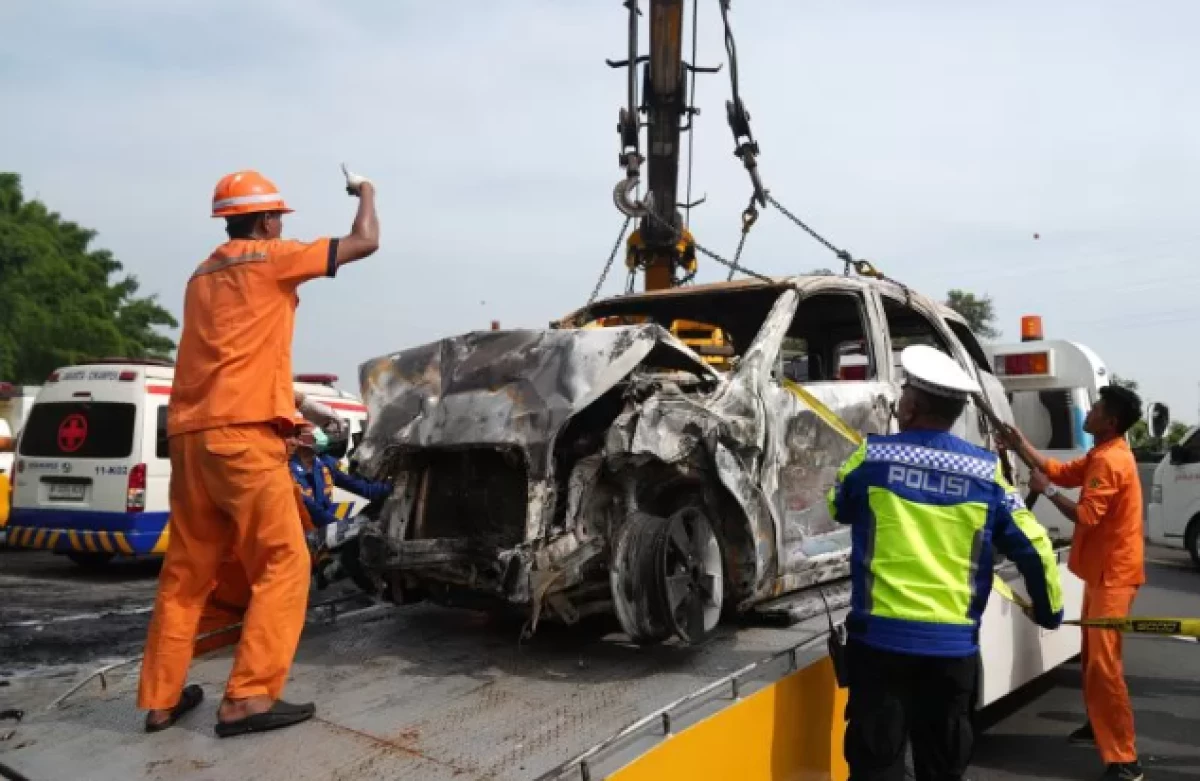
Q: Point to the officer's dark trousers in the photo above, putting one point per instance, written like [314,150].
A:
[895,698]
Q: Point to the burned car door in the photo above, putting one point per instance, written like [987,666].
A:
[833,349]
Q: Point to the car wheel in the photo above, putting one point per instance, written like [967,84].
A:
[91,561]
[667,577]
[1191,540]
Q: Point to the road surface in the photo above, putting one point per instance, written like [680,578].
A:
[1026,740]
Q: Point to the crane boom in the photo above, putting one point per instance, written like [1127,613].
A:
[661,246]
[664,105]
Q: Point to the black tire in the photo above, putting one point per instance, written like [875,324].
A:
[658,584]
[91,561]
[1191,540]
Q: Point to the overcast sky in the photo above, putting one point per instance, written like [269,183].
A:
[935,138]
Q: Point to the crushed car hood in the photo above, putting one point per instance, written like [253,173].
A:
[503,388]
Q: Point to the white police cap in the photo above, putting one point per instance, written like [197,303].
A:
[933,371]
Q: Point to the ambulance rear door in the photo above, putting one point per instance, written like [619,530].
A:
[79,447]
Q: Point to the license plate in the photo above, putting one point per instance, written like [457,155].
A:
[67,492]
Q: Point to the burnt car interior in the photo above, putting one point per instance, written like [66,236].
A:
[828,332]
[827,341]
[738,312]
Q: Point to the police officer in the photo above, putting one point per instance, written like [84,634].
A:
[925,508]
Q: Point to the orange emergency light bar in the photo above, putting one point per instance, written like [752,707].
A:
[1031,328]
[1023,364]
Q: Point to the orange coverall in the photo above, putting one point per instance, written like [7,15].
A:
[231,494]
[1107,555]
[226,605]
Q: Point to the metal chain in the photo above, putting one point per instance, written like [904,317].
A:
[707,252]
[612,256]
[749,217]
[842,254]
[863,267]
[737,255]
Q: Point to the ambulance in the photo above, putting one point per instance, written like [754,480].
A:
[1051,384]
[92,467]
[1173,520]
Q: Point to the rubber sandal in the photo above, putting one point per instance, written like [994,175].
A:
[282,714]
[189,698]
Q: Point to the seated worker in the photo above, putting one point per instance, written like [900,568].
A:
[317,473]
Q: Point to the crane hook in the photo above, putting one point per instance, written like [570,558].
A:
[624,200]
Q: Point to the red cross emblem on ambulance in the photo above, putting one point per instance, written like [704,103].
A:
[72,433]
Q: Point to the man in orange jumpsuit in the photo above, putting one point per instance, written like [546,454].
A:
[225,610]
[232,404]
[1107,555]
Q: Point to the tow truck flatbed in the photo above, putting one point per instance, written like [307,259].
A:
[412,692]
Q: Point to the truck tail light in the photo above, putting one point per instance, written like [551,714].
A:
[135,494]
[1156,493]
[1023,364]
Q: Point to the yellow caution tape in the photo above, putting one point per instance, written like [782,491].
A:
[1173,627]
[1001,588]
[824,413]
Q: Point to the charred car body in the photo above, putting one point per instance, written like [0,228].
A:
[585,470]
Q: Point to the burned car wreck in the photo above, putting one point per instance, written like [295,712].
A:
[606,466]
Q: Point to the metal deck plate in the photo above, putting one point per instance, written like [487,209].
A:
[418,692]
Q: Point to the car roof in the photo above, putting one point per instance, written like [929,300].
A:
[802,282]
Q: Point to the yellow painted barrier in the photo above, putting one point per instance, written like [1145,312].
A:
[5,499]
[791,730]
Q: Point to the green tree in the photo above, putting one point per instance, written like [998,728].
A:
[61,301]
[978,311]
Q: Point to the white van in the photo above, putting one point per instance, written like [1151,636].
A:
[1174,515]
[92,468]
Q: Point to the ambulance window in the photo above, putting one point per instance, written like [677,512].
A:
[1190,449]
[827,341]
[1045,417]
[161,448]
[971,344]
[79,429]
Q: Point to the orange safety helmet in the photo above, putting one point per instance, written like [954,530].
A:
[246,192]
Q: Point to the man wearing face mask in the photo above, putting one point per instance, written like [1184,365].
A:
[925,508]
[317,474]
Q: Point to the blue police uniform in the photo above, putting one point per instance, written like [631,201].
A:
[925,509]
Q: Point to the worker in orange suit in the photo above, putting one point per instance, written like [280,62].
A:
[225,610]
[232,404]
[1107,555]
